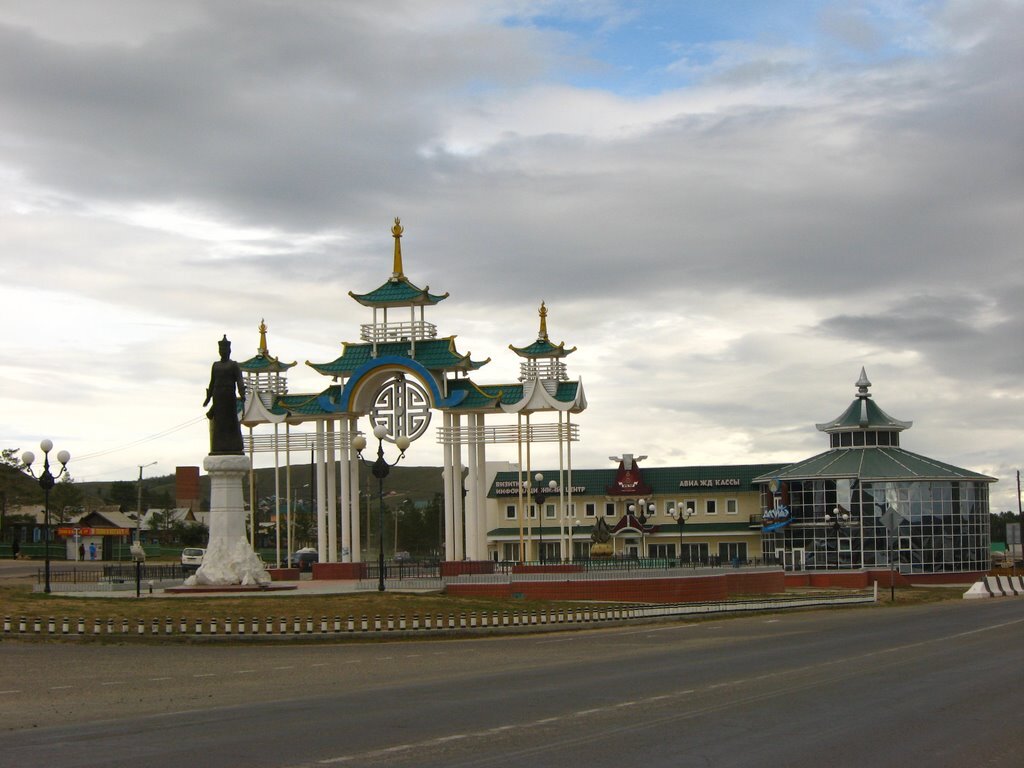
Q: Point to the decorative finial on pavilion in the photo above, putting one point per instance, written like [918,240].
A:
[263,337]
[542,335]
[863,384]
[396,232]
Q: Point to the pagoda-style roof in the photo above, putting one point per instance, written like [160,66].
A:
[508,397]
[872,464]
[542,347]
[264,362]
[398,291]
[863,413]
[433,354]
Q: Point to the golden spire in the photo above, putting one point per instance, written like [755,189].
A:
[543,334]
[263,337]
[396,232]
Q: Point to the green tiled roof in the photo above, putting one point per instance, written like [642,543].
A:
[662,480]
[489,395]
[264,364]
[304,404]
[863,413]
[433,354]
[542,348]
[398,292]
[872,464]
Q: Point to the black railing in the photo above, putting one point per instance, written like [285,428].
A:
[116,573]
[639,563]
[403,570]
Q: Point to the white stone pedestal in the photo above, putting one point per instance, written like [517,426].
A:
[229,558]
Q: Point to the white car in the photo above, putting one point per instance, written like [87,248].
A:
[192,558]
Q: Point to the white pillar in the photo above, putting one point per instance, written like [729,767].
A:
[470,496]
[459,529]
[332,493]
[354,499]
[321,493]
[481,488]
[277,495]
[449,497]
[344,457]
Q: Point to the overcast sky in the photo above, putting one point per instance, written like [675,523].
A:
[729,208]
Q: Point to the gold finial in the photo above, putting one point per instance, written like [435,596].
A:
[543,335]
[263,337]
[396,232]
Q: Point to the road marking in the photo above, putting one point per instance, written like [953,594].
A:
[158,679]
[244,671]
[12,690]
[60,687]
[114,682]
[206,674]
[292,666]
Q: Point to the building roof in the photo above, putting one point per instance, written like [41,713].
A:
[398,291]
[678,481]
[264,362]
[433,354]
[542,347]
[872,464]
[863,413]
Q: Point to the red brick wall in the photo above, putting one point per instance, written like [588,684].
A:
[690,589]
[465,567]
[339,571]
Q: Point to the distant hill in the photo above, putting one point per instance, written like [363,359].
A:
[416,483]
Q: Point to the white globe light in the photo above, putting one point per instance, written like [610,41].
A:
[403,443]
[380,431]
[46,445]
[359,442]
[63,457]
[27,458]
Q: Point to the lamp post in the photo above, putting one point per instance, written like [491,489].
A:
[46,482]
[572,522]
[681,515]
[381,468]
[640,510]
[837,521]
[138,512]
[538,496]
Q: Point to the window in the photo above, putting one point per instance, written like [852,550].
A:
[732,506]
[710,506]
[734,551]
[609,509]
[510,511]
[662,551]
[549,511]
[690,504]
[510,551]
[570,510]
[533,511]
[695,553]
[590,509]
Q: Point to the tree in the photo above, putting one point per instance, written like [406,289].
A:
[124,494]
[16,487]
[65,499]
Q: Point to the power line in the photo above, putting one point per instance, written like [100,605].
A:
[141,441]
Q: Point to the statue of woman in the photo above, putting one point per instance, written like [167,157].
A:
[225,378]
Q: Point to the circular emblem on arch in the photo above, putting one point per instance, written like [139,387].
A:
[403,408]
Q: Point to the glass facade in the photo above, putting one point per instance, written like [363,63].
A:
[942,525]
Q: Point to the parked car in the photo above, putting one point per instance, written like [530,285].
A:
[403,557]
[303,559]
[192,558]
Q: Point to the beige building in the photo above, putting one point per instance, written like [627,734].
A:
[636,509]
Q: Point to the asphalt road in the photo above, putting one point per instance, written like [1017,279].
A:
[932,686]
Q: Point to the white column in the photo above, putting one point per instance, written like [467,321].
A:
[344,456]
[321,493]
[277,495]
[354,500]
[332,493]
[458,531]
[470,496]
[481,488]
[449,497]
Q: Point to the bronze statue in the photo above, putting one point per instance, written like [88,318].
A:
[225,378]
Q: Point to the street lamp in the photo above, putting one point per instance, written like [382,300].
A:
[837,521]
[138,512]
[381,468]
[572,522]
[538,496]
[640,510]
[681,516]
[46,482]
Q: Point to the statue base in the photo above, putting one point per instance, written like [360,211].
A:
[229,558]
